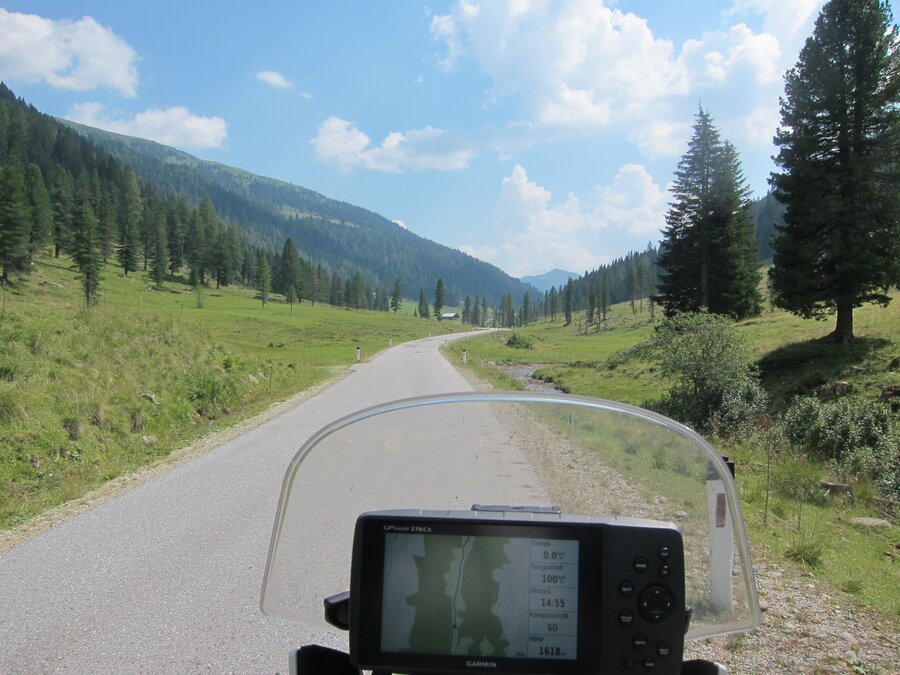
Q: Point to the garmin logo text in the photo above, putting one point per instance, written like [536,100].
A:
[481,664]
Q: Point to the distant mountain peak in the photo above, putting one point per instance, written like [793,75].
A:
[555,277]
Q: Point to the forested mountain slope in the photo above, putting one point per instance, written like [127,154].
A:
[344,237]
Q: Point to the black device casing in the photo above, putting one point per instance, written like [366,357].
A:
[631,601]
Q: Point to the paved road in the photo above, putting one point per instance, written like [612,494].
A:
[166,577]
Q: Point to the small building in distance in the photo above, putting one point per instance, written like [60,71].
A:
[450,316]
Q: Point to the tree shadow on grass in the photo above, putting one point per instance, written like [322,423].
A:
[803,367]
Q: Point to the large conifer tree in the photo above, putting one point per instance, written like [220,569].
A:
[707,259]
[15,221]
[86,250]
[839,145]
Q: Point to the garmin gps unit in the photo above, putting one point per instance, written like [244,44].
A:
[515,590]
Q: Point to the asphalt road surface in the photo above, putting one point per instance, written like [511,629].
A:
[166,577]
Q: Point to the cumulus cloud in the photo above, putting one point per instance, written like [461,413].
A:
[175,126]
[75,55]
[760,125]
[785,19]
[575,63]
[719,54]
[539,233]
[340,143]
[660,138]
[274,79]
[634,202]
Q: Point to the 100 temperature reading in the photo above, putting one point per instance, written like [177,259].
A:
[553,599]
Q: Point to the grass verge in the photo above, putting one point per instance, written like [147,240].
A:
[88,395]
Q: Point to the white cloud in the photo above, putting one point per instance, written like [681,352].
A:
[75,55]
[171,126]
[660,138]
[574,63]
[719,54]
[341,143]
[634,202]
[785,19]
[401,223]
[575,234]
[274,79]
[760,124]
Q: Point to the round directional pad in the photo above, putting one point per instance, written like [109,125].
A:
[656,604]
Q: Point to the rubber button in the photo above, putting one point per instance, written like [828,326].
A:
[639,641]
[626,588]
[641,565]
[664,571]
[626,617]
[664,553]
[629,664]
[656,603]
[663,649]
[649,664]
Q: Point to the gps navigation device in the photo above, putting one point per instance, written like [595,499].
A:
[510,590]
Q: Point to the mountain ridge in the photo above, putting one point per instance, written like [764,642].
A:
[345,237]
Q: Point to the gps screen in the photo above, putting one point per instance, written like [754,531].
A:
[480,596]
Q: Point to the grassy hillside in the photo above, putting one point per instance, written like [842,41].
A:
[343,237]
[789,517]
[88,395]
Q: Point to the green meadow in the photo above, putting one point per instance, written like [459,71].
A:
[789,516]
[88,395]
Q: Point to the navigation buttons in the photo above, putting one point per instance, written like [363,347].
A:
[626,617]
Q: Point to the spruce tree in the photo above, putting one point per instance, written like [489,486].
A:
[396,296]
[40,207]
[129,224]
[62,195]
[264,280]
[438,298]
[86,250]
[567,302]
[704,257]
[159,252]
[839,141]
[15,221]
[422,309]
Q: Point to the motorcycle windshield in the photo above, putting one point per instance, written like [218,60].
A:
[585,456]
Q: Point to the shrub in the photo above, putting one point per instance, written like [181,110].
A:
[517,341]
[716,389]
[856,435]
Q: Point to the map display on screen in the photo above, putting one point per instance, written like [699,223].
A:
[480,596]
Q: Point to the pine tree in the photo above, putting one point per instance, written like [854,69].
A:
[735,285]
[438,298]
[604,293]
[129,224]
[704,258]
[62,197]
[422,309]
[86,250]
[40,207]
[396,296]
[591,303]
[839,141]
[264,280]
[567,302]
[160,251]
[15,221]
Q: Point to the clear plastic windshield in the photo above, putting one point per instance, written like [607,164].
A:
[585,456]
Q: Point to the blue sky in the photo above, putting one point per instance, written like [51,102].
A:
[532,134]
